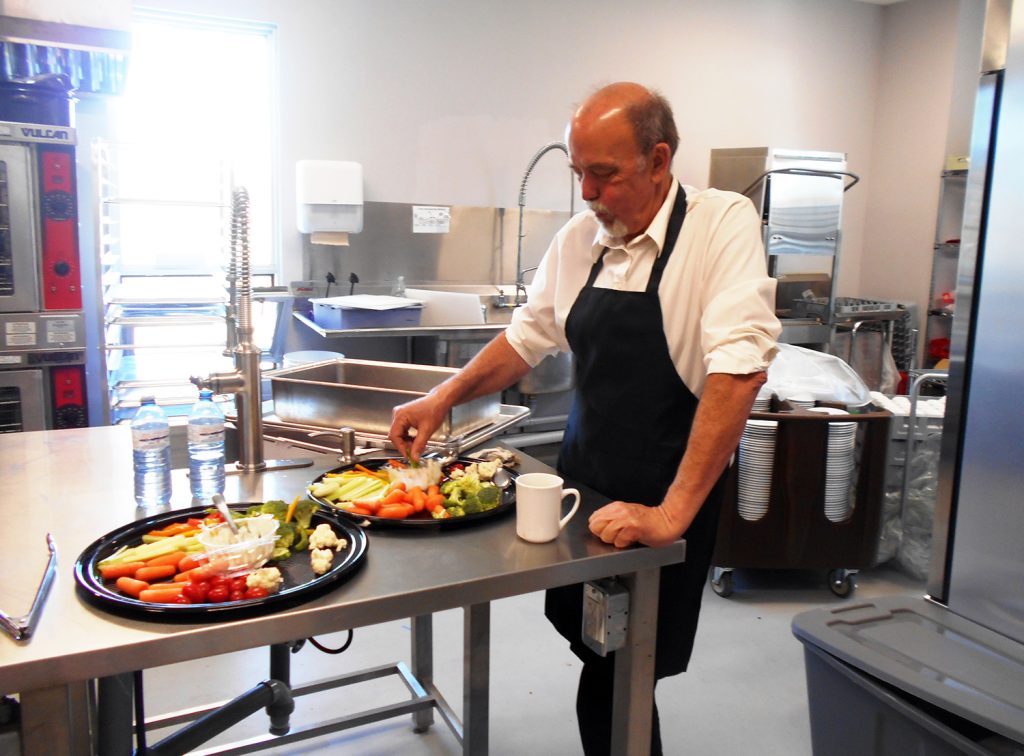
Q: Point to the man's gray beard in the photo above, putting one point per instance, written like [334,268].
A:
[617,229]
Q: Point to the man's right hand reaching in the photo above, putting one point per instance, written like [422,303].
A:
[496,367]
[413,423]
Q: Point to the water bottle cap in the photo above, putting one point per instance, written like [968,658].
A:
[206,394]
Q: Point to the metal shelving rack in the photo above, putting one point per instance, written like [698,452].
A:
[941,306]
[155,335]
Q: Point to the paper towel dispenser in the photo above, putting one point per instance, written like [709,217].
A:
[330,197]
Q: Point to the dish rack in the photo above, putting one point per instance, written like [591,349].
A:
[795,533]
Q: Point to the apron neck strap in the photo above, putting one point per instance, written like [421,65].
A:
[675,223]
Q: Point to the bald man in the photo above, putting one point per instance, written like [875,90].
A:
[661,293]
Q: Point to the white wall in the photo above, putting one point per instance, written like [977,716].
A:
[445,101]
[928,76]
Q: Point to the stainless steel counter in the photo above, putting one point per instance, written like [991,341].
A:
[77,484]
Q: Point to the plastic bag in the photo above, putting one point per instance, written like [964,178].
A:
[824,377]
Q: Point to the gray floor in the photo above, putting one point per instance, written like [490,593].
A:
[744,693]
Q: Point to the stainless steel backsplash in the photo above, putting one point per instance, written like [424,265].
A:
[479,250]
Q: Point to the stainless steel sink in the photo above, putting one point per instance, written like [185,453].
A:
[361,394]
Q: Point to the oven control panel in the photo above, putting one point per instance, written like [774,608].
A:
[61,275]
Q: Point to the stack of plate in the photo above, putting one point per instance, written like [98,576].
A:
[839,465]
[756,457]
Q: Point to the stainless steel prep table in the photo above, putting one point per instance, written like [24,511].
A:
[77,484]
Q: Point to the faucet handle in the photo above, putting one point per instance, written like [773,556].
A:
[348,445]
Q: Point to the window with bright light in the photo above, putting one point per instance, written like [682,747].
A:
[194,123]
[195,120]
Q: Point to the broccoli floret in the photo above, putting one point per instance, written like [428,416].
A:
[302,540]
[304,512]
[472,504]
[488,497]
[455,511]
[276,507]
[457,492]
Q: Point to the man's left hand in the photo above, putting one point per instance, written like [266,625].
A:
[623,524]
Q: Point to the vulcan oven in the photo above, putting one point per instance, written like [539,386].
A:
[42,341]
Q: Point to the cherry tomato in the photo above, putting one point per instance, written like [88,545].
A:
[181,598]
[218,580]
[218,594]
[238,584]
[236,595]
[197,591]
[214,517]
[256,592]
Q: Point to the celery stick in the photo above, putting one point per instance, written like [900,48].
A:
[149,551]
[365,489]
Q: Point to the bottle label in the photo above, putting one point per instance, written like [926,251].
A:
[206,434]
[150,440]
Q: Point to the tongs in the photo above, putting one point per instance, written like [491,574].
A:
[20,628]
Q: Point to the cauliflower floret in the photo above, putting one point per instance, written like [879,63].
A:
[486,470]
[265,577]
[323,537]
[320,560]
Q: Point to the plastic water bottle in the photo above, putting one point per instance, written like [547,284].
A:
[151,455]
[205,449]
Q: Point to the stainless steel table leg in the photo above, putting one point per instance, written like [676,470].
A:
[476,672]
[55,721]
[423,665]
[115,734]
[634,667]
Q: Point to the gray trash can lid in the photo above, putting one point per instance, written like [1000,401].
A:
[928,651]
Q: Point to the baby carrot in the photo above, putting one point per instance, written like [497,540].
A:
[151,596]
[155,573]
[395,511]
[131,587]
[395,497]
[418,499]
[188,563]
[115,571]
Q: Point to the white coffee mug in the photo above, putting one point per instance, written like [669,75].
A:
[539,506]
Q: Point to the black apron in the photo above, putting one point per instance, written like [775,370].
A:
[626,435]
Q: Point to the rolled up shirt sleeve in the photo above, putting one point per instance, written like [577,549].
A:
[738,325]
[717,300]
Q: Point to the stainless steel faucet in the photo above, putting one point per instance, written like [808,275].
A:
[245,380]
[520,284]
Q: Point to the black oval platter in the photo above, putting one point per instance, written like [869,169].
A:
[421,520]
[300,583]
